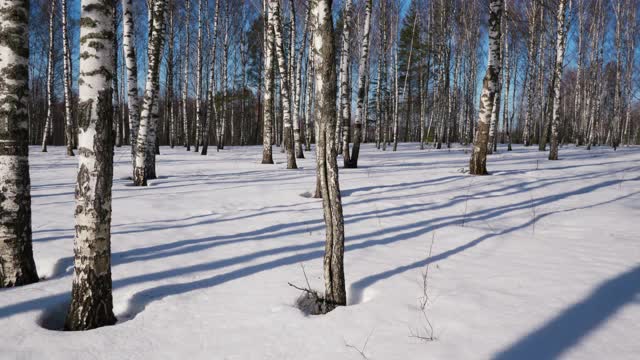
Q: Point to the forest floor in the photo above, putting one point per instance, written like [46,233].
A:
[540,260]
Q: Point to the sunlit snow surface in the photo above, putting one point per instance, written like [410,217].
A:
[537,261]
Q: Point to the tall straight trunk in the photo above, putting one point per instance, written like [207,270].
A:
[66,52]
[530,71]
[404,90]
[199,79]
[617,98]
[185,81]
[363,85]
[146,140]
[276,23]
[344,112]
[222,130]
[323,52]
[170,76]
[50,65]
[631,41]
[381,86]
[309,102]
[269,90]
[91,300]
[211,93]
[478,162]
[495,113]
[16,255]
[297,133]
[578,97]
[507,81]
[560,46]
[129,48]
[117,126]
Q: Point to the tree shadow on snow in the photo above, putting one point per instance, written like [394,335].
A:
[574,323]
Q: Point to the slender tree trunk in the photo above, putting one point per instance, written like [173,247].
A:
[323,50]
[50,65]
[185,86]
[211,93]
[129,49]
[478,162]
[16,255]
[170,76]
[269,90]
[146,140]
[91,300]
[309,102]
[344,112]
[276,23]
[560,46]
[199,79]
[363,85]
[68,116]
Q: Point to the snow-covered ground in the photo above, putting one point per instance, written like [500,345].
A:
[537,261]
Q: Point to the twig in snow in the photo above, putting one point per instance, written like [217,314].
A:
[361,351]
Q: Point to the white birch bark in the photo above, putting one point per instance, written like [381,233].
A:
[325,96]
[91,300]
[560,47]
[211,93]
[185,86]
[478,162]
[199,80]
[269,89]
[50,63]
[146,140]
[363,85]
[129,48]
[275,22]
[16,255]
[66,52]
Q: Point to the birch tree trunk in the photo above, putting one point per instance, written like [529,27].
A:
[269,89]
[223,82]
[276,23]
[50,64]
[129,48]
[68,116]
[325,94]
[560,46]
[170,76]
[199,80]
[91,300]
[211,93]
[185,86]
[478,162]
[309,101]
[363,85]
[344,115]
[16,255]
[297,134]
[146,140]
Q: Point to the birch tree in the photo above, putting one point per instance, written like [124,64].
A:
[275,22]
[185,86]
[326,156]
[16,255]
[211,103]
[66,52]
[478,162]
[91,300]
[129,48]
[351,160]
[269,89]
[557,78]
[199,79]
[50,65]
[146,140]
